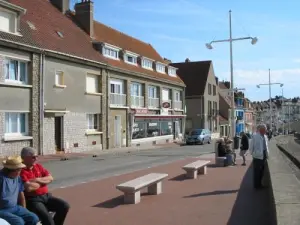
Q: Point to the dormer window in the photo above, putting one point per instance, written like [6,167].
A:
[172,71]
[111,51]
[10,17]
[130,58]
[8,21]
[147,63]
[160,68]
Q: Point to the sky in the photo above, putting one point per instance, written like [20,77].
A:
[179,29]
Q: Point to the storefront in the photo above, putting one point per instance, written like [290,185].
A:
[149,126]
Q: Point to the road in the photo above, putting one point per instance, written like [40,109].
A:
[82,170]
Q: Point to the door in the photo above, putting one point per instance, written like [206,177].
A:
[118,133]
[59,133]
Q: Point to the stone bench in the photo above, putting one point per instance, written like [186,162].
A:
[194,168]
[132,189]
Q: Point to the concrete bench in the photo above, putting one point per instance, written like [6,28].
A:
[132,189]
[194,168]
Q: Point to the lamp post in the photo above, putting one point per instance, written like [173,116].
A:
[231,40]
[282,111]
[270,96]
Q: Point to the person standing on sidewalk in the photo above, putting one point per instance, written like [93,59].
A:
[39,200]
[244,147]
[259,150]
[12,200]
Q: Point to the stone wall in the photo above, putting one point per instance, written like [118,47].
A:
[49,136]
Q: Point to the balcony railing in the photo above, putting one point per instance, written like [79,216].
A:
[177,104]
[153,102]
[137,101]
[117,99]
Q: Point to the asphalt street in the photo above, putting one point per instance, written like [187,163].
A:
[83,170]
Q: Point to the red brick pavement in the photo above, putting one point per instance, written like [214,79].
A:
[223,196]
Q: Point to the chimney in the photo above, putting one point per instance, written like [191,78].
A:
[167,60]
[227,84]
[217,81]
[187,60]
[61,5]
[84,14]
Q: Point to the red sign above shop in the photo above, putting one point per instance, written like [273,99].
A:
[141,111]
[166,105]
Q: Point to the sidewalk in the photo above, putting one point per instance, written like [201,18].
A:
[223,196]
[95,153]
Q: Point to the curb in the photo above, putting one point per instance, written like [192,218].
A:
[289,155]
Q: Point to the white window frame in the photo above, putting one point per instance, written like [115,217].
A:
[91,122]
[177,94]
[172,71]
[111,48]
[96,84]
[13,16]
[18,133]
[154,88]
[160,68]
[62,74]
[116,82]
[140,89]
[145,62]
[18,81]
[134,57]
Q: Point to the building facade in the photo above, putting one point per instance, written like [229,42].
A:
[202,98]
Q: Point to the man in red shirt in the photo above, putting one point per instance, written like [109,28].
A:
[38,199]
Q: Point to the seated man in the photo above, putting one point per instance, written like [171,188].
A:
[38,199]
[12,200]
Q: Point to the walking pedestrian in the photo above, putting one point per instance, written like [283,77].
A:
[12,200]
[39,200]
[244,147]
[259,150]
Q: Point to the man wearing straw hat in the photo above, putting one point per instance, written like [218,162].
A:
[12,200]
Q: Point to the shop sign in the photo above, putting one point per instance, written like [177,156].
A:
[166,105]
[141,111]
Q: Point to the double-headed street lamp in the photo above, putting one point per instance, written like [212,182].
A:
[270,95]
[231,40]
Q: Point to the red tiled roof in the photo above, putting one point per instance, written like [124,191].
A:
[48,20]
[106,34]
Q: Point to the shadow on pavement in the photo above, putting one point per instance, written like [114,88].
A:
[111,203]
[220,192]
[252,206]
[181,177]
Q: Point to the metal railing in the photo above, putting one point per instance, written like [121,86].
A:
[153,102]
[137,101]
[177,104]
[117,99]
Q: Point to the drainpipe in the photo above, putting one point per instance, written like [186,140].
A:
[107,110]
[42,106]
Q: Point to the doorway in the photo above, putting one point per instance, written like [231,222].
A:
[118,131]
[59,133]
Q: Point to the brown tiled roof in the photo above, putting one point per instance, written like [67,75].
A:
[47,20]
[194,75]
[106,34]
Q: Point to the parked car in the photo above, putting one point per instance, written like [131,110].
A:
[198,136]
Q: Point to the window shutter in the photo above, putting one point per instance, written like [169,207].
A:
[5,18]
[92,83]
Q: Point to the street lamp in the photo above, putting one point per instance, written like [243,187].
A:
[270,95]
[231,40]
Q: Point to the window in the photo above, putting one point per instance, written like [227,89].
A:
[209,89]
[152,92]
[172,72]
[160,68]
[59,78]
[209,108]
[8,21]
[16,123]
[214,90]
[144,129]
[93,122]
[131,59]
[147,64]
[177,96]
[136,89]
[111,53]
[15,71]
[92,83]
[116,86]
